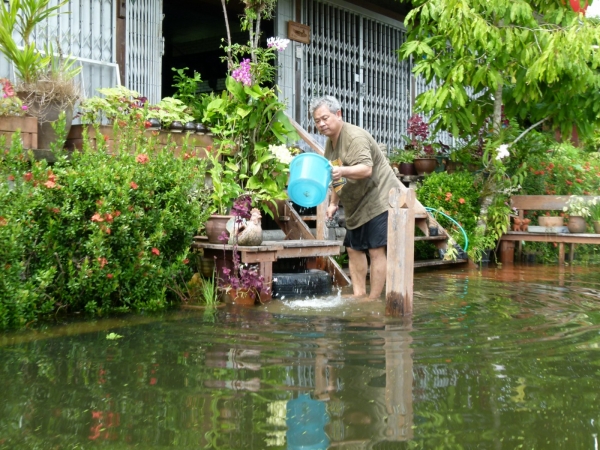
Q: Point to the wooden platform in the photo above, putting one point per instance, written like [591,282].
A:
[264,255]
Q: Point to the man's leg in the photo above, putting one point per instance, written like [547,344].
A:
[378,270]
[357,261]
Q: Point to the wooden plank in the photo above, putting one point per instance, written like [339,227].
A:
[400,252]
[542,202]
[259,257]
[306,137]
[308,252]
[268,247]
[566,238]
[430,238]
[438,262]
[304,243]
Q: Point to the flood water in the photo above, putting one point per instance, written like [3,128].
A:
[492,359]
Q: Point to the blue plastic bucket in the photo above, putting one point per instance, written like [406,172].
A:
[310,175]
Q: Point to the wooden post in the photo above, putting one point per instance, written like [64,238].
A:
[400,253]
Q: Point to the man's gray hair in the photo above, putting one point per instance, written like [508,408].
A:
[331,102]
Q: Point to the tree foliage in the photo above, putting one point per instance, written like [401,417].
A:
[541,56]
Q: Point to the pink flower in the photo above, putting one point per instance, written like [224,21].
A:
[28,176]
[461,201]
[102,262]
[97,218]
[50,184]
[142,158]
[109,276]
[24,108]
[155,251]
[242,73]
[133,185]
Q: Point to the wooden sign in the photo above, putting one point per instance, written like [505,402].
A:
[298,32]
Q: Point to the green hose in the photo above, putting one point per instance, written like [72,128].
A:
[454,222]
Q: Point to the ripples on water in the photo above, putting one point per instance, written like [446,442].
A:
[501,358]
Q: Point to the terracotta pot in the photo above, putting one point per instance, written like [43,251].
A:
[577,224]
[425,165]
[241,297]
[407,169]
[550,221]
[215,225]
[596,224]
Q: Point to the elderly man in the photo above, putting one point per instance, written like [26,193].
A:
[362,179]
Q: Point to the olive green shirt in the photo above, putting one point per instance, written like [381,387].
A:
[367,198]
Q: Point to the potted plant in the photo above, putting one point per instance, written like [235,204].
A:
[594,206]
[12,117]
[418,132]
[225,189]
[404,160]
[171,112]
[242,283]
[578,210]
[45,79]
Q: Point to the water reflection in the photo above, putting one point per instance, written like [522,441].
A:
[492,359]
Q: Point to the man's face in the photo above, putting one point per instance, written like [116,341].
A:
[327,122]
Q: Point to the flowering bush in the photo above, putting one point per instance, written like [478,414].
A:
[10,104]
[95,232]
[454,195]
[563,170]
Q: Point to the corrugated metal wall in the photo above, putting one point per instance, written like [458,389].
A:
[145,47]
[86,31]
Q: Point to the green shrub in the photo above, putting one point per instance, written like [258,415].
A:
[96,232]
[455,195]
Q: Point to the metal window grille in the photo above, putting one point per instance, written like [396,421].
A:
[354,58]
[145,47]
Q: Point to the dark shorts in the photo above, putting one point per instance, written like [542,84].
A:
[372,234]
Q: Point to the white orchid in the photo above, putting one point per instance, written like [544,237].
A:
[282,153]
[502,152]
[279,43]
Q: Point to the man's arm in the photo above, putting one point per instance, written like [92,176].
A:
[357,172]
[334,201]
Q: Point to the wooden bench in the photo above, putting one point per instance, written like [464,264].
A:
[542,203]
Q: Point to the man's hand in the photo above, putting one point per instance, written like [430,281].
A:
[336,172]
[331,209]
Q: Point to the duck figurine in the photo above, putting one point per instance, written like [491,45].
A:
[246,232]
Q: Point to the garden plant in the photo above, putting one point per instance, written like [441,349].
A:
[96,231]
